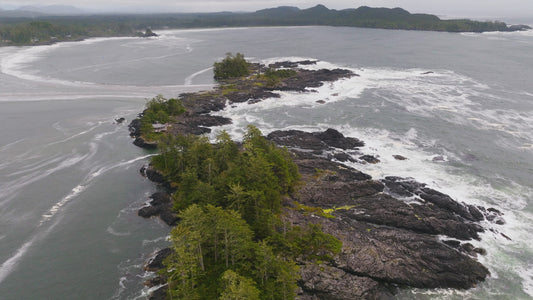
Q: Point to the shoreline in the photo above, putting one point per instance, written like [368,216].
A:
[377,228]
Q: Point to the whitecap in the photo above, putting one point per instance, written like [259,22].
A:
[55,209]
[9,265]
[112,231]
[189,79]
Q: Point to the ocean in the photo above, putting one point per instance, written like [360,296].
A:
[458,106]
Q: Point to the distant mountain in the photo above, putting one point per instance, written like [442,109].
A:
[20,14]
[40,25]
[53,10]
[278,11]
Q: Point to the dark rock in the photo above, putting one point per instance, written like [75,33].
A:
[149,33]
[160,198]
[297,139]
[314,141]
[343,157]
[333,138]
[149,211]
[519,28]
[480,251]
[291,64]
[446,202]
[404,187]
[428,72]
[407,187]
[438,158]
[143,171]
[158,280]
[328,191]
[168,216]
[120,120]
[505,236]
[161,206]
[135,128]
[320,101]
[452,243]
[399,157]
[155,263]
[141,142]
[382,209]
[159,294]
[395,255]
[154,175]
[326,282]
[311,165]
[369,159]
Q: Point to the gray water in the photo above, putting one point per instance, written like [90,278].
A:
[69,183]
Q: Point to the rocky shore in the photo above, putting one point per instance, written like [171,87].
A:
[396,232]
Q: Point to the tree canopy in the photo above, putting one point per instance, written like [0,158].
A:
[231,242]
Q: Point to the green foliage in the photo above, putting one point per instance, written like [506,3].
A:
[215,256]
[159,110]
[229,243]
[273,77]
[251,180]
[231,66]
[237,287]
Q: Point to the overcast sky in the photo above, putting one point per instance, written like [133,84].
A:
[452,8]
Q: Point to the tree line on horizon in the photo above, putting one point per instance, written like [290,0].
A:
[24,31]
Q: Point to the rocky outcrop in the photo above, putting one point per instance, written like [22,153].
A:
[395,231]
[160,206]
[391,229]
[319,141]
[327,282]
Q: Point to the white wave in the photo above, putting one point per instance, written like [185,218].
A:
[32,167]
[526,273]
[14,186]
[55,209]
[189,79]
[157,240]
[112,231]
[7,146]
[9,265]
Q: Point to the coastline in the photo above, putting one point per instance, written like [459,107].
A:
[388,243]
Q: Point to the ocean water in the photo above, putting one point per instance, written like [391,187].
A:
[458,106]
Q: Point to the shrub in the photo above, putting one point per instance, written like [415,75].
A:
[231,66]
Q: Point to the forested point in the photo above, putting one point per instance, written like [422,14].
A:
[231,242]
[43,30]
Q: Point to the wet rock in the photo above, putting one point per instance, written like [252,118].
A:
[333,138]
[155,263]
[120,120]
[369,159]
[141,142]
[327,282]
[154,175]
[135,128]
[160,206]
[343,157]
[321,102]
[159,294]
[291,64]
[328,139]
[399,157]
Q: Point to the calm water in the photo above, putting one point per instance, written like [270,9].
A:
[69,183]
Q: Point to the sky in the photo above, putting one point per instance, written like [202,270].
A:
[479,9]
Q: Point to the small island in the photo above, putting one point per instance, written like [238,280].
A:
[280,216]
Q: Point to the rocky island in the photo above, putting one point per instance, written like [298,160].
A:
[324,231]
